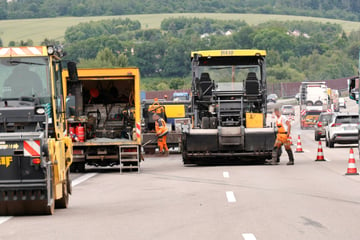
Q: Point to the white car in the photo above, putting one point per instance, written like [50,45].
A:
[342,103]
[342,129]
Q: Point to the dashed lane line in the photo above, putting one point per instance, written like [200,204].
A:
[248,236]
[226,174]
[83,178]
[4,219]
[230,197]
[77,181]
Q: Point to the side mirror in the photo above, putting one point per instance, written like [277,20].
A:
[73,74]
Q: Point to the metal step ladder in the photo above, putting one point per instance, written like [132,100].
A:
[129,157]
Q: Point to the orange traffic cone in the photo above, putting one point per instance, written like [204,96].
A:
[298,146]
[352,170]
[320,153]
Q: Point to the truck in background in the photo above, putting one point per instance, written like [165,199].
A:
[35,155]
[173,112]
[314,99]
[228,109]
[104,120]
[181,96]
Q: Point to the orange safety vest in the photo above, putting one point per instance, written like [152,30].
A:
[281,125]
[156,107]
[161,128]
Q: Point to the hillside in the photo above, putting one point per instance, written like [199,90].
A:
[54,28]
[20,9]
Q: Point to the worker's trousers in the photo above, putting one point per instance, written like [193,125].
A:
[162,144]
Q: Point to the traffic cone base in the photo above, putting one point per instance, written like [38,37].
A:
[320,153]
[298,146]
[352,170]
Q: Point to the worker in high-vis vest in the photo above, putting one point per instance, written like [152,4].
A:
[282,138]
[161,132]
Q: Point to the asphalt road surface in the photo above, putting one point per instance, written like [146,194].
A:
[310,200]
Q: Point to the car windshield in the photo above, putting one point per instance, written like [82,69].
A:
[25,77]
[347,119]
[326,117]
[229,78]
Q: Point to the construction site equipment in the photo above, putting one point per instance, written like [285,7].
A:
[175,113]
[228,108]
[298,146]
[352,170]
[35,155]
[320,153]
[105,113]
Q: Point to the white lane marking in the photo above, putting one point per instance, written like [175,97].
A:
[226,174]
[77,181]
[230,197]
[82,179]
[4,219]
[248,236]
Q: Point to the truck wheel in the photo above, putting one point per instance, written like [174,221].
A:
[309,103]
[213,123]
[205,123]
[331,144]
[318,103]
[64,201]
[81,167]
[317,137]
[326,142]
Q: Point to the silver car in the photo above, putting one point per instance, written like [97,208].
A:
[322,122]
[342,129]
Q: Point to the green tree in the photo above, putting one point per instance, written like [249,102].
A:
[105,58]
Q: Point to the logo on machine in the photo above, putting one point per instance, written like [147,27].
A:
[5,161]
[32,148]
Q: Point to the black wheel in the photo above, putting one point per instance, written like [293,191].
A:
[326,142]
[213,123]
[331,144]
[318,103]
[64,201]
[77,167]
[205,123]
[317,137]
[309,103]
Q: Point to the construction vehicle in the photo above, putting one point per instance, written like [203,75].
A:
[104,118]
[228,109]
[35,155]
[175,113]
[314,99]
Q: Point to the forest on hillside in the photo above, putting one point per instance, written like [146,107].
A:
[297,50]
[20,9]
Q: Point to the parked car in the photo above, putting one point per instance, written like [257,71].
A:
[288,110]
[320,126]
[272,98]
[342,103]
[342,129]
